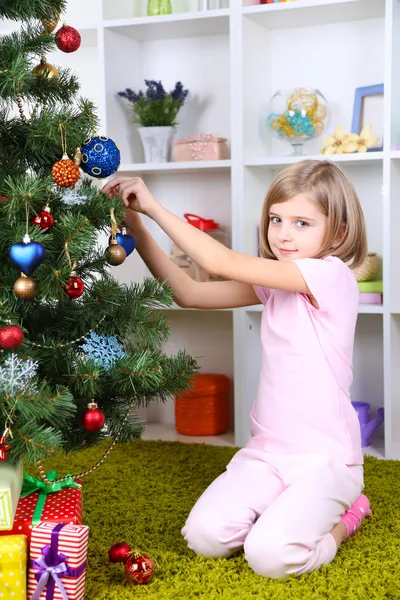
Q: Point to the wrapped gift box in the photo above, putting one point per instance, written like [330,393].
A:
[13,553]
[61,551]
[64,506]
[10,489]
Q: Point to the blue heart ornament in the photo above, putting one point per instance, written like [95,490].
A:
[126,241]
[27,256]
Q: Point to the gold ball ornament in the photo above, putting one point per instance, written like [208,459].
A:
[50,24]
[115,254]
[25,288]
[65,172]
[45,70]
[78,156]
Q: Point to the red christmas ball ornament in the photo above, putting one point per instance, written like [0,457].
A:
[44,219]
[139,568]
[75,286]
[93,418]
[11,337]
[68,39]
[119,552]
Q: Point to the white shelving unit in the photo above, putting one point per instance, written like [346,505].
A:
[232,60]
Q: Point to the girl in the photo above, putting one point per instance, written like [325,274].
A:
[293,493]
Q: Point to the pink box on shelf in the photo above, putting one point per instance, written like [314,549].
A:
[57,566]
[201,146]
[370,298]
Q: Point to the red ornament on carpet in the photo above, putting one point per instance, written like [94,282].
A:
[119,552]
[68,39]
[93,419]
[139,568]
[44,219]
[11,337]
[75,286]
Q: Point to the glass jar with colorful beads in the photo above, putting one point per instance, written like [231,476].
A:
[297,115]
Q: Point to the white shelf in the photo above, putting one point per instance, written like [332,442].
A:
[176,167]
[363,309]
[221,56]
[175,26]
[349,159]
[306,13]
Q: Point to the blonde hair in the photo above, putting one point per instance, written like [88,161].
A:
[336,197]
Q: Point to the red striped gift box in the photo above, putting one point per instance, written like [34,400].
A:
[57,566]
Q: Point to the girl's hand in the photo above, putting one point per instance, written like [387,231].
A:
[133,191]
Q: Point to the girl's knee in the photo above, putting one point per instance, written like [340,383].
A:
[267,558]
[206,537]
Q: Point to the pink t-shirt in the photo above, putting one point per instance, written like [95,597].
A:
[303,403]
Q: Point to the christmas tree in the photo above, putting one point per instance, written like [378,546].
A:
[78,351]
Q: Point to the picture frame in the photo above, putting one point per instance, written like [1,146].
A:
[368,109]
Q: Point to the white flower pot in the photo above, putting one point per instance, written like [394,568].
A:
[157,143]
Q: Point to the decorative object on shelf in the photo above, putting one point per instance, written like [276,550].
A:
[46,70]
[204,410]
[156,112]
[370,291]
[100,157]
[14,558]
[370,298]
[159,7]
[68,39]
[347,143]
[375,286]
[369,269]
[368,108]
[368,426]
[10,490]
[194,271]
[297,116]
[214,4]
[200,146]
[11,337]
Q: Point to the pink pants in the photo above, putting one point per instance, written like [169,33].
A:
[278,508]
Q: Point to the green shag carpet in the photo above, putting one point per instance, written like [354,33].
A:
[143,493]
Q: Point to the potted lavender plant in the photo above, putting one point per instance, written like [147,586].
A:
[156,112]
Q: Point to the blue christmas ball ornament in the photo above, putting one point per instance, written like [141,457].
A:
[125,240]
[100,157]
[27,255]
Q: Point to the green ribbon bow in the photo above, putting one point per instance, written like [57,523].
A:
[32,484]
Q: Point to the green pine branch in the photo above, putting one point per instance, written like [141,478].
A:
[31,9]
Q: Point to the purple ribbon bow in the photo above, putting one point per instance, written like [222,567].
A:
[51,566]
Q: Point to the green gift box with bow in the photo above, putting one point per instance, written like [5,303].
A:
[47,502]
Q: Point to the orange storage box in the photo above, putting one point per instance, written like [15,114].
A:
[204,410]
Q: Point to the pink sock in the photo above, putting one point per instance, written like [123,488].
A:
[355,514]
